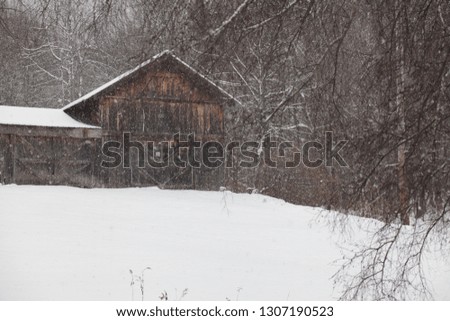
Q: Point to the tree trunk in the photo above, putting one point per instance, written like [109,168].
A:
[400,102]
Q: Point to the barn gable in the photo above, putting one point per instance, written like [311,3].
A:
[162,79]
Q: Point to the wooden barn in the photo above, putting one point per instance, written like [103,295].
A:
[151,103]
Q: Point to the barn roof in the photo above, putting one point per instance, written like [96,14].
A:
[154,60]
[35,116]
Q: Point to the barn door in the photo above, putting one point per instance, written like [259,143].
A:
[165,177]
[75,162]
[33,160]
[55,161]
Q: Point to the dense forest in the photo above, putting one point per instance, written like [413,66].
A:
[375,74]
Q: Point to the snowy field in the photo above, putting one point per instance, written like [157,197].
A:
[63,243]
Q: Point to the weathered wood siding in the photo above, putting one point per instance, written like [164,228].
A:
[6,163]
[162,102]
[152,116]
[56,159]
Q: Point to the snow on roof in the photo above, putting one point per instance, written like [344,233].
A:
[143,64]
[35,116]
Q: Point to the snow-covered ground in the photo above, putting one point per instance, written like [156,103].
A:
[63,243]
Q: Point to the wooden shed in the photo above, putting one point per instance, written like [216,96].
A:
[153,102]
